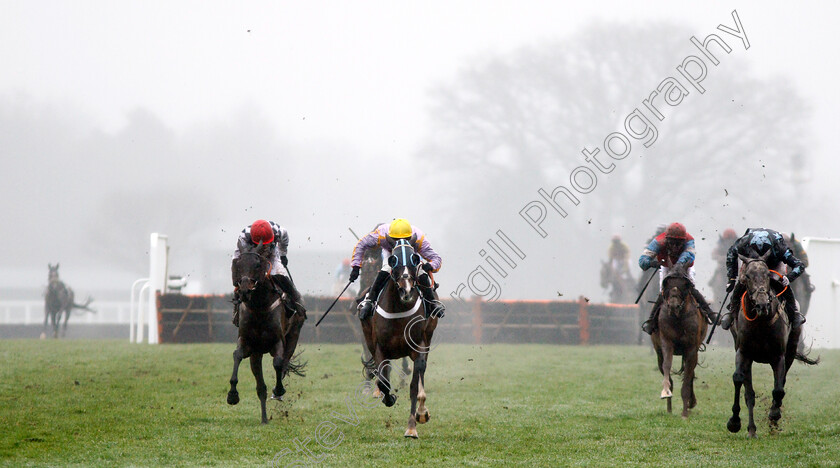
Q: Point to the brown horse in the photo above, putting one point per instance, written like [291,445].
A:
[400,328]
[265,326]
[681,332]
[371,265]
[60,300]
[762,334]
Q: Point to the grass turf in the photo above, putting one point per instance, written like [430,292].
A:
[111,403]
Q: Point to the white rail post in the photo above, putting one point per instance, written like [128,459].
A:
[133,311]
[157,280]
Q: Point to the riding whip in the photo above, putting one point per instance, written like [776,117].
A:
[646,285]
[718,317]
[331,305]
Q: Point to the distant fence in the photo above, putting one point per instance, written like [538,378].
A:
[32,313]
[189,319]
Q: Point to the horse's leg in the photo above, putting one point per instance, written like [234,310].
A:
[406,371]
[734,423]
[291,340]
[66,318]
[779,375]
[667,383]
[278,362]
[383,371]
[422,414]
[238,355]
[687,392]
[256,368]
[749,396]
[411,431]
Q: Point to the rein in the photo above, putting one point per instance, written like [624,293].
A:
[744,308]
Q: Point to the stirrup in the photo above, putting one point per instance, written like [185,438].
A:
[649,326]
[365,308]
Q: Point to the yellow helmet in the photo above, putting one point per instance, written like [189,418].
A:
[399,229]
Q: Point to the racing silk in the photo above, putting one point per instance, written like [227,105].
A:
[281,241]
[379,237]
[757,238]
[656,249]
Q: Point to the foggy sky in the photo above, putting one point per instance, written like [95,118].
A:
[193,120]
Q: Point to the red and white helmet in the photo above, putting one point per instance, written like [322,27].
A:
[261,232]
[729,233]
[676,231]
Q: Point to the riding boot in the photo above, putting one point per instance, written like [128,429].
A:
[651,324]
[792,310]
[434,307]
[366,306]
[711,317]
[734,305]
[236,301]
[294,302]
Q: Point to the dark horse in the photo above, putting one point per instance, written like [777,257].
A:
[619,282]
[59,300]
[399,328]
[762,334]
[264,327]
[682,328]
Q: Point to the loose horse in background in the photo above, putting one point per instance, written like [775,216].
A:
[762,334]
[59,300]
[620,284]
[400,328]
[371,264]
[265,326]
[682,328]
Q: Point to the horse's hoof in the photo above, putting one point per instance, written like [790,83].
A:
[665,394]
[275,397]
[411,433]
[264,421]
[423,418]
[377,393]
[734,425]
[752,434]
[233,398]
[389,400]
[775,415]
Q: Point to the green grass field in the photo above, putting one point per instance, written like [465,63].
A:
[112,403]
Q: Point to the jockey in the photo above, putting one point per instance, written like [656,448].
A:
[618,255]
[669,248]
[386,235]
[754,243]
[270,241]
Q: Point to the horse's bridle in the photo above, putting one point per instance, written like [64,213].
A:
[262,259]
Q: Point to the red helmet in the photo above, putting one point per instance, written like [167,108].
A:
[676,231]
[729,234]
[261,232]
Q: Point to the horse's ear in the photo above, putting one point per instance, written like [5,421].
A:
[743,258]
[766,256]
[792,238]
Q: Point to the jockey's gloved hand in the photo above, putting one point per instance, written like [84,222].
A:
[730,285]
[354,273]
[785,280]
[284,260]
[427,267]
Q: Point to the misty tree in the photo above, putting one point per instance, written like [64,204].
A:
[512,123]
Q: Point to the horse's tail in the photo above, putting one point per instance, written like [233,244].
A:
[296,366]
[84,306]
[802,357]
